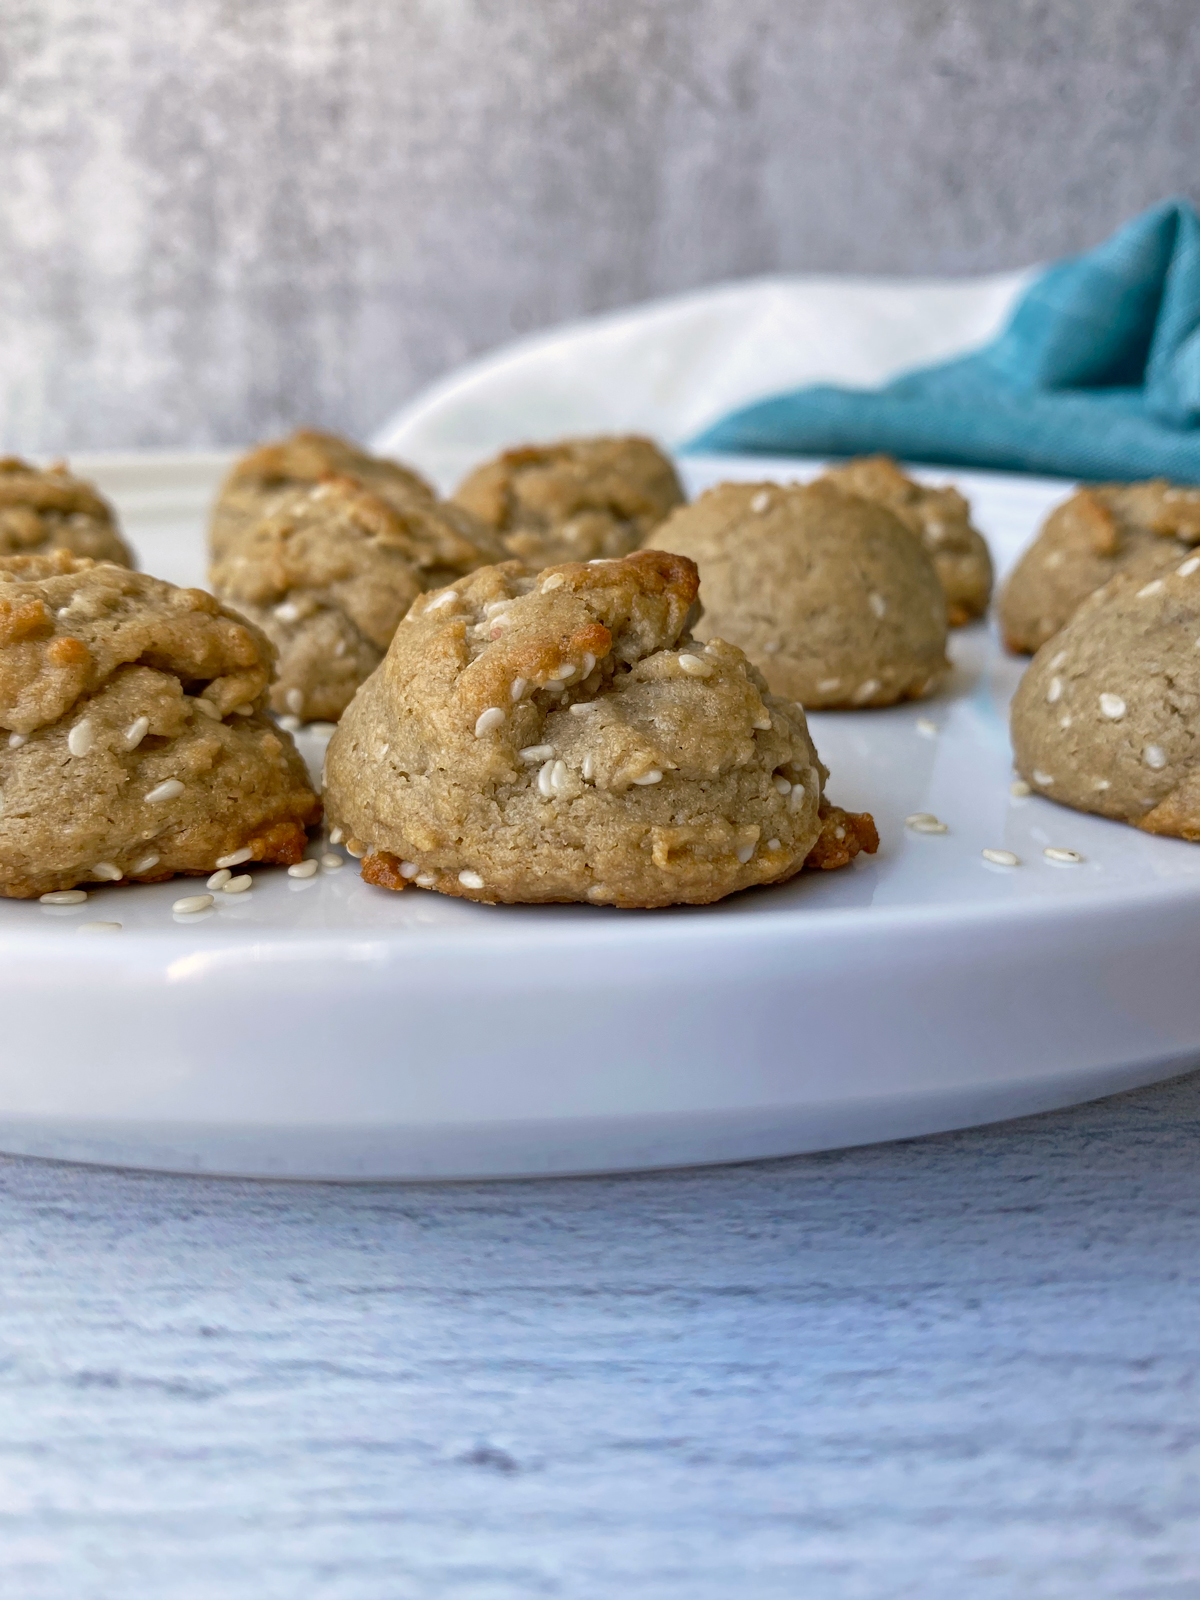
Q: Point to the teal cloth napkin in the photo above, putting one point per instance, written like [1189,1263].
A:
[1096,376]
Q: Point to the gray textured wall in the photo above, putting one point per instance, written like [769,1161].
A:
[220,217]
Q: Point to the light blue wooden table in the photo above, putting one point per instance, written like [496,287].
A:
[957,1367]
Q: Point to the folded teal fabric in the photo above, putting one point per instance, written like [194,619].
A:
[1096,376]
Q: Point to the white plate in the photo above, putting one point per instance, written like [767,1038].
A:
[322,1028]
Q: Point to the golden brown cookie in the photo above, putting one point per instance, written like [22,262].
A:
[561,737]
[573,501]
[302,459]
[940,518]
[828,594]
[1141,528]
[327,572]
[48,509]
[134,740]
[1107,718]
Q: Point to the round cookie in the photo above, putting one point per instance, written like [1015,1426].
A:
[135,743]
[49,509]
[576,500]
[1141,528]
[1107,718]
[560,737]
[302,459]
[327,571]
[940,518]
[828,594]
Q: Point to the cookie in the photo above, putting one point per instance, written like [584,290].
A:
[828,594]
[576,500]
[327,572]
[302,459]
[135,743]
[1107,718]
[1145,529]
[561,737]
[940,518]
[49,509]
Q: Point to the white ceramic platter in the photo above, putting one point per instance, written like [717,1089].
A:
[323,1028]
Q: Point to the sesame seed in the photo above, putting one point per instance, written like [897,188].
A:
[1001,858]
[15,741]
[289,724]
[335,837]
[63,897]
[409,869]
[332,862]
[744,852]
[763,723]
[554,581]
[356,848]
[1101,783]
[107,871]
[167,790]
[587,665]
[323,730]
[1054,692]
[926,728]
[564,672]
[289,611]
[303,869]
[1112,707]
[1019,789]
[294,700]
[470,880]
[653,776]
[446,599]
[583,708]
[237,885]
[695,667]
[246,709]
[219,878]
[518,688]
[783,784]
[878,605]
[425,880]
[587,768]
[1042,778]
[535,753]
[237,857]
[1188,567]
[1062,857]
[1059,660]
[1149,589]
[1064,722]
[865,690]
[1154,756]
[98,927]
[774,844]
[545,780]
[925,822]
[560,777]
[797,797]
[487,720]
[761,501]
[192,903]
[81,738]
[828,685]
[144,863]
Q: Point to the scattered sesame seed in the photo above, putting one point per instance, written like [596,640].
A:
[136,732]
[878,605]
[828,685]
[744,852]
[695,667]
[763,723]
[425,880]
[356,848]
[925,822]
[587,768]
[289,724]
[1188,567]
[409,869]
[1062,857]
[470,880]
[287,611]
[332,862]
[774,844]
[107,871]
[583,708]
[294,700]
[560,778]
[1154,756]
[487,720]
[653,776]
[237,885]
[1112,707]
[562,673]
[519,686]
[63,897]
[1019,789]
[192,903]
[1001,858]
[323,730]
[238,856]
[1149,589]
[336,836]
[15,741]
[926,728]
[81,738]
[1042,778]
[219,878]
[784,785]
[1101,783]
[246,709]
[536,753]
[1059,661]
[865,690]
[445,599]
[545,780]
[97,927]
[1054,692]
[797,797]
[761,501]
[554,581]
[167,790]
[303,869]
[1064,722]
[144,863]
[587,665]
